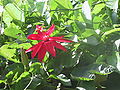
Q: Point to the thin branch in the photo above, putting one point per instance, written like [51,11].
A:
[66,9]
[45,69]
[29,83]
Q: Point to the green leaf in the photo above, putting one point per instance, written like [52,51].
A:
[114,60]
[7,18]
[64,3]
[15,12]
[112,4]
[15,71]
[88,33]
[98,8]
[68,59]
[109,32]
[88,72]
[53,4]
[9,76]
[36,68]
[117,44]
[17,46]
[101,59]
[24,45]
[82,73]
[86,10]
[41,7]
[86,14]
[112,82]
[77,27]
[65,81]
[92,40]
[8,53]
[2,81]
[24,58]
[100,78]
[23,75]
[87,85]
[35,82]
[14,32]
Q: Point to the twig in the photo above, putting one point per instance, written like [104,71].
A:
[29,83]
[45,69]
[66,9]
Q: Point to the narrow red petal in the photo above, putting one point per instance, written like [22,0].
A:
[41,53]
[59,46]
[30,49]
[59,39]
[36,49]
[35,36]
[50,30]
[50,48]
[39,29]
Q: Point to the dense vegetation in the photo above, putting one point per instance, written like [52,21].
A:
[92,60]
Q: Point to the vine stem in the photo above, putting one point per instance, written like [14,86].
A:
[43,64]
[66,9]
[29,83]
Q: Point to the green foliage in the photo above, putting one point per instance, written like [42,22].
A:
[14,12]
[14,32]
[91,62]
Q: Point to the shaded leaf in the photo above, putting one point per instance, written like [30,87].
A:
[65,81]
[92,40]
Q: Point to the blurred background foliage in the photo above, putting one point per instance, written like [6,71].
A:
[92,61]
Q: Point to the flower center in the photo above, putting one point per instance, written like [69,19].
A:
[46,38]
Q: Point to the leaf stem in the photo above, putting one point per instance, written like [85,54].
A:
[43,64]
[29,83]
[66,9]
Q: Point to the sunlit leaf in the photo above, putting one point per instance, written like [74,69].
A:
[86,10]
[109,32]
[112,4]
[64,3]
[88,33]
[98,8]
[15,12]
[14,32]
[8,53]
[23,75]
[7,18]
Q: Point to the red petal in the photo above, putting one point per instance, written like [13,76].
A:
[36,36]
[39,29]
[59,39]
[36,49]
[41,53]
[59,46]
[50,30]
[50,48]
[30,49]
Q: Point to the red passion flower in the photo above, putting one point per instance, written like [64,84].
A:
[47,44]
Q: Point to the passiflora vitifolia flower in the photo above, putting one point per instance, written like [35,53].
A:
[46,44]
